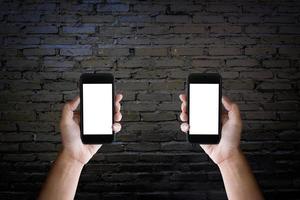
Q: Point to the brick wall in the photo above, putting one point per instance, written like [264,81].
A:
[150,47]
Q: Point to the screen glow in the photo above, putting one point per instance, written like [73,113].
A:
[97,107]
[204,108]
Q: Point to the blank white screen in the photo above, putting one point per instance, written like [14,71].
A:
[204,109]
[97,107]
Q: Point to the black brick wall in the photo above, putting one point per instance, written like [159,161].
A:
[150,47]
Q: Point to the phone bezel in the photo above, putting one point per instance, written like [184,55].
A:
[93,78]
[205,78]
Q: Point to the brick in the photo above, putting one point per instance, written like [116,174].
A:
[169,85]
[172,19]
[14,137]
[274,86]
[198,18]
[130,116]
[276,63]
[80,29]
[135,19]
[259,29]
[176,146]
[41,29]
[227,51]
[153,30]
[19,116]
[289,29]
[260,115]
[238,84]
[5,147]
[190,29]
[207,63]
[60,85]
[134,62]
[240,41]
[143,146]
[151,51]
[161,116]
[260,75]
[154,97]
[21,64]
[62,18]
[87,51]
[113,52]
[112,8]
[17,157]
[97,19]
[289,51]
[57,65]
[55,40]
[28,85]
[132,85]
[138,106]
[225,29]
[115,31]
[96,62]
[169,62]
[247,62]
[187,51]
[30,17]
[223,8]
[37,147]
[39,52]
[260,51]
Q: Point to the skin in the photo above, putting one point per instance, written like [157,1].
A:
[238,178]
[63,177]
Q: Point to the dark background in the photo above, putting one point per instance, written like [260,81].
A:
[150,46]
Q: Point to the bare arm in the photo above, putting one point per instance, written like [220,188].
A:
[238,178]
[63,177]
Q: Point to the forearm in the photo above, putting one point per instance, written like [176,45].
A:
[63,179]
[238,178]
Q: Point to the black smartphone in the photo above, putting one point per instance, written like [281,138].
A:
[204,108]
[96,108]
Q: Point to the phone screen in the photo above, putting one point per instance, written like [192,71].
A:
[204,108]
[97,108]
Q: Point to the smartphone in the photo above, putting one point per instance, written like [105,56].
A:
[97,108]
[204,108]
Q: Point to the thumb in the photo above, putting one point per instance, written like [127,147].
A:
[232,108]
[69,107]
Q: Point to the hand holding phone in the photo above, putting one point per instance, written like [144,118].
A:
[70,131]
[97,108]
[231,130]
[203,106]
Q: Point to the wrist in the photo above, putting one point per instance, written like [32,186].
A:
[67,157]
[234,157]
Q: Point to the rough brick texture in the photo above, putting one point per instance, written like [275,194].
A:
[150,47]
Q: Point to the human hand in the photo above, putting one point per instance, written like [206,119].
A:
[70,131]
[231,131]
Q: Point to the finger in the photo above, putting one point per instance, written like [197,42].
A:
[182,97]
[184,127]
[232,108]
[117,127]
[69,107]
[224,118]
[118,97]
[117,107]
[118,116]
[76,117]
[183,107]
[183,117]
